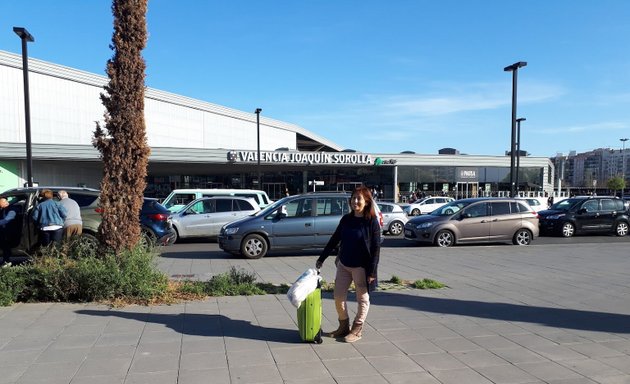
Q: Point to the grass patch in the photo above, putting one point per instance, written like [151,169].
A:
[395,280]
[427,284]
[235,282]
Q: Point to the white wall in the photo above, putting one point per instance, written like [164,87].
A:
[64,111]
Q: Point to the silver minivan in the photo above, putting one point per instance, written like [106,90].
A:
[204,217]
[296,222]
[179,198]
[477,220]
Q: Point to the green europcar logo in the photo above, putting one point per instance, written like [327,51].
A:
[379,161]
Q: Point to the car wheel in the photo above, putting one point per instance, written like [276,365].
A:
[148,238]
[396,228]
[621,229]
[90,239]
[254,247]
[522,237]
[448,212]
[415,212]
[567,230]
[444,238]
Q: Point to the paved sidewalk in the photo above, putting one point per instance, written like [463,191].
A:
[547,314]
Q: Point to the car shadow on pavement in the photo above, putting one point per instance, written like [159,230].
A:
[203,255]
[547,316]
[196,255]
[210,325]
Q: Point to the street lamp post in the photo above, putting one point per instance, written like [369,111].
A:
[257,112]
[514,69]
[518,148]
[623,162]
[25,36]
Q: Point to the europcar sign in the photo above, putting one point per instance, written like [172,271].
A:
[278,157]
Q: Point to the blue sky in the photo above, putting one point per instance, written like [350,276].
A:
[374,76]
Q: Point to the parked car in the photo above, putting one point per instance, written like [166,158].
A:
[475,220]
[585,214]
[295,222]
[425,205]
[179,198]
[394,218]
[534,203]
[204,217]
[154,218]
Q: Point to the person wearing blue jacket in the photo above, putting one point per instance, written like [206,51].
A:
[358,236]
[49,217]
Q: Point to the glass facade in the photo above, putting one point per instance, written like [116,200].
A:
[394,183]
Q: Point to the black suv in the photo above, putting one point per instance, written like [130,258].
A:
[585,214]
[155,220]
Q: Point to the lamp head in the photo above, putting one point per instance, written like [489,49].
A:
[23,34]
[515,66]
[258,110]
[520,119]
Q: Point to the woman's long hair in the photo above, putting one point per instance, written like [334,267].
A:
[368,210]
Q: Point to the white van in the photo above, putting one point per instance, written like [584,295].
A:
[178,198]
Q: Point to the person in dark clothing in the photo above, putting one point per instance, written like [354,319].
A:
[6,217]
[358,236]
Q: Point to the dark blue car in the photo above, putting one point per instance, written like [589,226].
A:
[155,221]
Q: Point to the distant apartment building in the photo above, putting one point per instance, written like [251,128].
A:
[590,171]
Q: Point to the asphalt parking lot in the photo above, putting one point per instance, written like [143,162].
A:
[201,259]
[554,312]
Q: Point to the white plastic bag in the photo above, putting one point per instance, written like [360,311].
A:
[303,286]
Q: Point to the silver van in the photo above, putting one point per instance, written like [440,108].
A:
[204,217]
[296,222]
[477,220]
[179,198]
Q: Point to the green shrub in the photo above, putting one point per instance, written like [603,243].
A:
[395,280]
[232,283]
[428,284]
[75,272]
[12,282]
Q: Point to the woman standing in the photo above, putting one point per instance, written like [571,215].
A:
[359,234]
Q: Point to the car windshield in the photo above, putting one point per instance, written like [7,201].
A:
[450,208]
[565,205]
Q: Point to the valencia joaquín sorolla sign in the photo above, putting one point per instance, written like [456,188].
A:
[281,157]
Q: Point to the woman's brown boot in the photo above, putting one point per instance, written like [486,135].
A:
[355,333]
[342,331]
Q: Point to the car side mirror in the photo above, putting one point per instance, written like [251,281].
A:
[582,211]
[465,216]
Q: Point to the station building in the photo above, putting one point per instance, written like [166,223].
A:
[196,144]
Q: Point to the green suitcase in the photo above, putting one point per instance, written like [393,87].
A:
[309,315]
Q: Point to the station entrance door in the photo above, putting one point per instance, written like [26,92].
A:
[465,190]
